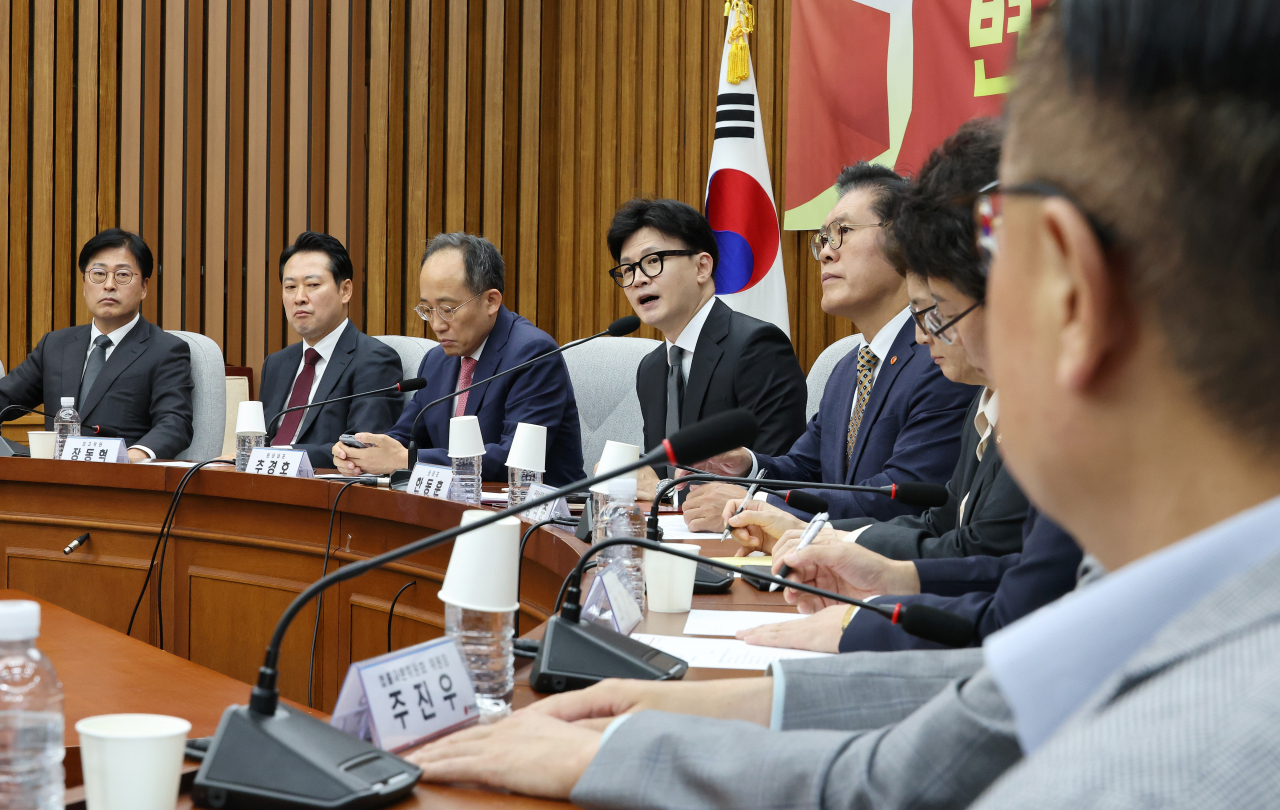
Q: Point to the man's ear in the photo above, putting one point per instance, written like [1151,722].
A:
[492,300]
[706,267]
[345,290]
[144,287]
[1086,295]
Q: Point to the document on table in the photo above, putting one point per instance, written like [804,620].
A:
[722,653]
[729,622]
[675,530]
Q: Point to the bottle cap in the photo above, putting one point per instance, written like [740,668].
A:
[19,619]
[622,489]
[68,402]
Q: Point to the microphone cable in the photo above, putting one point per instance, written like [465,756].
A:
[391,614]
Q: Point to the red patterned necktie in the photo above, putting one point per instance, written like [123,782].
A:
[300,396]
[464,379]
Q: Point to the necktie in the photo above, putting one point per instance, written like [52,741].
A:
[301,395]
[464,379]
[97,359]
[866,366]
[675,393]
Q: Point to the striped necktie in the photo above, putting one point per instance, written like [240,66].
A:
[866,367]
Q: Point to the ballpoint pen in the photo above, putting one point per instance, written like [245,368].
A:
[811,531]
[751,493]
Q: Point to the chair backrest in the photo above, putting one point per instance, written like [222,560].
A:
[1,368]
[237,392]
[209,400]
[603,373]
[821,371]
[411,351]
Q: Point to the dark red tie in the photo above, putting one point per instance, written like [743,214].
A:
[464,379]
[301,394]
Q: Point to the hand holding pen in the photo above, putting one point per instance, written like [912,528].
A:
[810,532]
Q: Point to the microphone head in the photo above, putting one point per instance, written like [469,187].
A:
[806,501]
[711,437]
[938,626]
[103,432]
[623,326]
[914,493]
[412,384]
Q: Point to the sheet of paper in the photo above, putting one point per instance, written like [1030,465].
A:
[729,622]
[675,530]
[763,559]
[722,653]
[494,497]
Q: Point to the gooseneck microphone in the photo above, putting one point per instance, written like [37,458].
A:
[328,767]
[412,384]
[619,328]
[5,410]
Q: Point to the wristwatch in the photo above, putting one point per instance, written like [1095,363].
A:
[848,616]
[662,484]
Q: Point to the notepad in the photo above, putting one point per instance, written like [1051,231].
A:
[729,622]
[722,653]
[675,530]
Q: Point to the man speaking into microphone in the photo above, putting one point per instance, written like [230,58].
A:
[460,297]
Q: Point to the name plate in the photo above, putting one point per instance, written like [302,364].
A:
[557,508]
[431,480]
[84,448]
[280,462]
[407,697]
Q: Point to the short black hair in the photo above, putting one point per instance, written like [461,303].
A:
[312,242]
[483,263]
[118,238]
[933,231]
[888,186]
[670,217]
[1162,120]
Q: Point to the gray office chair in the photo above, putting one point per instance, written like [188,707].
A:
[821,371]
[603,373]
[209,399]
[411,351]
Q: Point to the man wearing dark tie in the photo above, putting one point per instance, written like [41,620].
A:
[461,285]
[126,374]
[334,358]
[712,359]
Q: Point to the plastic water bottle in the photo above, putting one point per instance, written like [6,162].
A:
[31,749]
[245,443]
[466,480]
[65,425]
[518,483]
[622,518]
[485,640]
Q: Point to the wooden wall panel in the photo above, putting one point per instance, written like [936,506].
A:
[219,129]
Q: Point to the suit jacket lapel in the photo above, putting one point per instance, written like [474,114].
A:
[73,361]
[889,370]
[706,356]
[333,370]
[275,394]
[490,359]
[122,356]
[651,390]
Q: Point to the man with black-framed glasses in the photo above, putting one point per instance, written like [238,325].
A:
[712,359]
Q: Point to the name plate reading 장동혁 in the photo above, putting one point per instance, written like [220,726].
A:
[86,448]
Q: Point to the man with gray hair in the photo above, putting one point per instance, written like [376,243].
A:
[460,288]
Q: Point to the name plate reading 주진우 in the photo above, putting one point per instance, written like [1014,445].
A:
[407,697]
[280,462]
[431,480]
[557,508]
[84,448]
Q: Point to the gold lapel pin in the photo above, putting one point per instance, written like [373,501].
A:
[893,359]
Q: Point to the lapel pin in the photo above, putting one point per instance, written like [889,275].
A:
[893,359]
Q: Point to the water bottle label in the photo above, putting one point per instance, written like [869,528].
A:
[81,448]
[280,463]
[407,697]
[557,508]
[430,480]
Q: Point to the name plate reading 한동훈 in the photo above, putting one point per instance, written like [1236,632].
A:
[280,462]
[431,480]
[557,508]
[85,448]
[407,697]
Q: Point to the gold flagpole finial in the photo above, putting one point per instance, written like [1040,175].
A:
[739,54]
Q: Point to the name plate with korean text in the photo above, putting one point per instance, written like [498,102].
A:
[407,697]
[557,508]
[85,448]
[280,462]
[431,480]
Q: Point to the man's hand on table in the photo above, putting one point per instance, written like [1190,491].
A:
[847,569]
[136,455]
[760,525]
[383,455]
[819,632]
[703,507]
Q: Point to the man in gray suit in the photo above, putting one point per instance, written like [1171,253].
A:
[1137,411]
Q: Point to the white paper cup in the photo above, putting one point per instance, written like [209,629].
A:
[131,761]
[249,418]
[484,567]
[42,443]
[669,579]
[615,455]
[529,448]
[464,437]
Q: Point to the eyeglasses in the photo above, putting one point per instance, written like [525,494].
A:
[99,276]
[919,315]
[624,275]
[833,235]
[988,216]
[446,313]
[933,322]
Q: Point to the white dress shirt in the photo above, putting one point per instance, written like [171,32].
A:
[688,340]
[324,347]
[116,336]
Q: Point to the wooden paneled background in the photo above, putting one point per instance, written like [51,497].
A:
[219,129]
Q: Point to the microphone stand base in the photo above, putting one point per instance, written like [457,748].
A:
[293,760]
[575,655]
[400,479]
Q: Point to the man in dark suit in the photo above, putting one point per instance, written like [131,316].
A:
[126,374]
[888,415]
[461,286]
[713,359]
[333,359]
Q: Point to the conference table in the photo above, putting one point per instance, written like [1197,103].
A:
[241,547]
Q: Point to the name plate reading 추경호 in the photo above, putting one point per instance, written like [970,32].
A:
[280,463]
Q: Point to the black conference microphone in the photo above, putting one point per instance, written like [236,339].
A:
[24,408]
[8,448]
[411,384]
[101,431]
[265,754]
[619,328]
[574,655]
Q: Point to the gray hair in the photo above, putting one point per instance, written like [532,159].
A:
[485,270]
